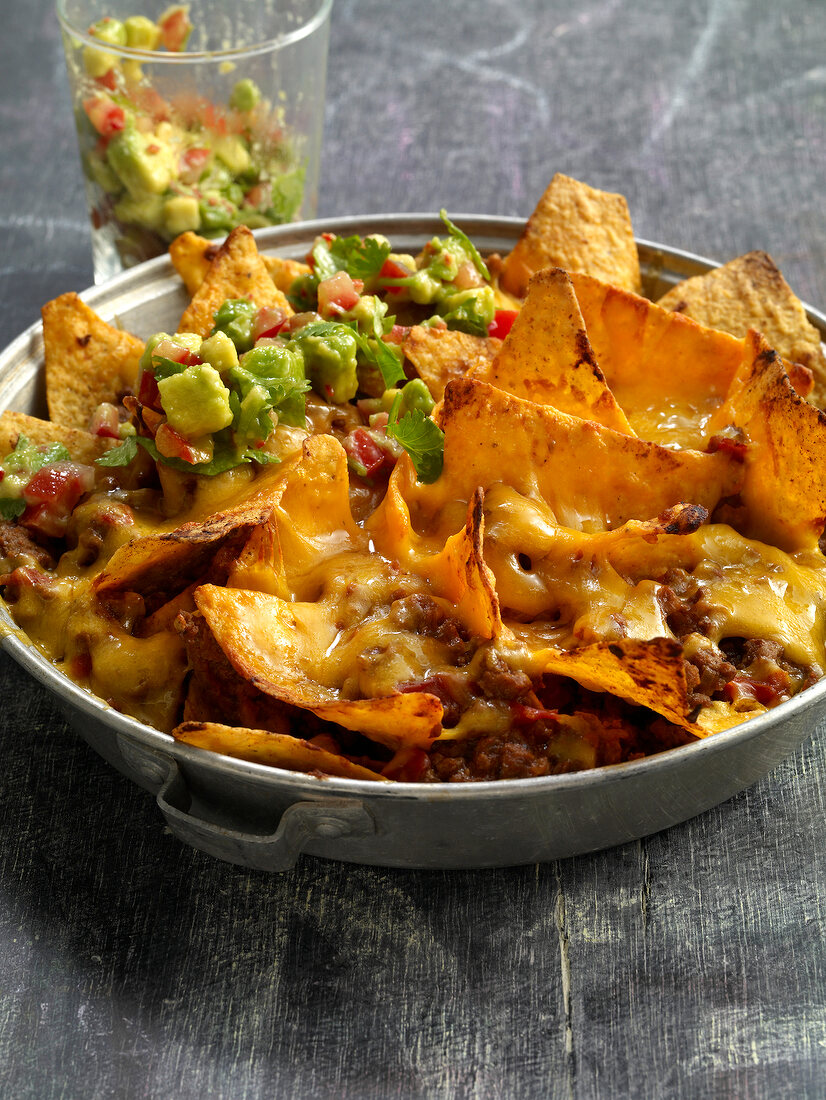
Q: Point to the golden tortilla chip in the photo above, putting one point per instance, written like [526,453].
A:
[278,750]
[460,575]
[311,522]
[441,354]
[157,567]
[784,487]
[237,271]
[667,372]
[191,256]
[87,360]
[751,293]
[284,272]
[579,228]
[547,357]
[648,673]
[591,477]
[282,649]
[82,446]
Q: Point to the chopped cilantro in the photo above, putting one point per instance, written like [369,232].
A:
[120,456]
[421,437]
[468,244]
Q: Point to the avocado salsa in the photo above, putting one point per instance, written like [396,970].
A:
[157,166]
[207,405]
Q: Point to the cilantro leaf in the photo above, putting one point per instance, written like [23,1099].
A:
[422,438]
[468,244]
[225,458]
[120,456]
[360,258]
[11,507]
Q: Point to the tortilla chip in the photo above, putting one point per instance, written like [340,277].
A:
[460,575]
[579,228]
[284,272]
[87,360]
[191,256]
[784,488]
[158,567]
[547,357]
[591,477]
[237,271]
[82,446]
[441,354]
[281,649]
[751,293]
[667,372]
[278,750]
[648,673]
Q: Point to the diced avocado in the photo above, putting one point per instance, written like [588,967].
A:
[469,310]
[96,63]
[142,162]
[219,351]
[181,213]
[330,363]
[98,170]
[189,340]
[280,368]
[196,401]
[423,288]
[231,150]
[146,211]
[245,95]
[369,312]
[234,317]
[142,33]
[416,395]
[110,30]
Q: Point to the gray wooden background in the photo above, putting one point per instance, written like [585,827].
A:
[690,964]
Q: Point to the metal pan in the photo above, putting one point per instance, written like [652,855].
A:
[265,817]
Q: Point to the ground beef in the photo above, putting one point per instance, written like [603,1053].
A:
[498,681]
[420,614]
[216,692]
[680,596]
[19,548]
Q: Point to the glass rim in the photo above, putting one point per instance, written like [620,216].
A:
[317,20]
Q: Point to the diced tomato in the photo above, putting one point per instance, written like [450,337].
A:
[309,258]
[148,392]
[526,716]
[769,692]
[175,28]
[407,766]
[171,444]
[52,493]
[737,448]
[259,197]
[390,269]
[105,421]
[104,114]
[108,80]
[192,163]
[397,334]
[81,666]
[268,322]
[22,578]
[363,449]
[178,353]
[502,322]
[338,294]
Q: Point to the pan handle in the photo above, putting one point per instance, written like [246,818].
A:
[300,824]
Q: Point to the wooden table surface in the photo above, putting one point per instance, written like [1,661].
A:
[689,964]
